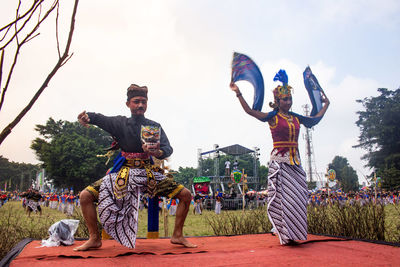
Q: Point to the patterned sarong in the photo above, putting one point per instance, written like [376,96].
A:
[119,215]
[218,206]
[287,201]
[33,205]
[69,209]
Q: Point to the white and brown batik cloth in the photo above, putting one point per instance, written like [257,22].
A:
[119,213]
[33,205]
[287,201]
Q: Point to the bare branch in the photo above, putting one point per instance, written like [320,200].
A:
[5,34]
[15,24]
[40,22]
[27,38]
[21,17]
[58,42]
[7,130]
[40,12]
[23,25]
[1,66]
[32,37]
[67,59]
[3,93]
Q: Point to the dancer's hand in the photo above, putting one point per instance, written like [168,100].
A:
[234,87]
[84,119]
[324,99]
[152,149]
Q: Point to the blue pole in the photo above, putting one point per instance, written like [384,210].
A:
[152,219]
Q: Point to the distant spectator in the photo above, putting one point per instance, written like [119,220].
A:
[227,168]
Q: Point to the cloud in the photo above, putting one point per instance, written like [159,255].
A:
[359,12]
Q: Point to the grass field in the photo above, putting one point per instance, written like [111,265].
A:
[15,225]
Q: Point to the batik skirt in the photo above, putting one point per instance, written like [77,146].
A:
[119,212]
[287,201]
[33,205]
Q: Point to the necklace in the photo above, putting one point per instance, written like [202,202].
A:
[286,116]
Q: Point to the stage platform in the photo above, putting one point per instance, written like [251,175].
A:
[242,250]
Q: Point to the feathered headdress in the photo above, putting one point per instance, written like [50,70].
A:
[281,91]
[284,90]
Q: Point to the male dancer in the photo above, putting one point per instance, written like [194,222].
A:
[136,176]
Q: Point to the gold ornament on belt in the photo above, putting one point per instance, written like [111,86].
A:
[121,182]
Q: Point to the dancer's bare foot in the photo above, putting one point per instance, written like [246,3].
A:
[90,244]
[182,241]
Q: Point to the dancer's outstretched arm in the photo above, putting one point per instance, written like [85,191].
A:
[255,113]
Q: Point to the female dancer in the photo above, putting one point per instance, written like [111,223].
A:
[287,187]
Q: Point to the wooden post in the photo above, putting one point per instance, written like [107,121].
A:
[243,198]
[375,187]
[165,213]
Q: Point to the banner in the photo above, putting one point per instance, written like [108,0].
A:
[40,180]
[201,185]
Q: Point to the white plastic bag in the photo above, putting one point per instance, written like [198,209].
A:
[61,233]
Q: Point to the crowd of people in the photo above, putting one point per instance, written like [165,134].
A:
[32,200]
[219,201]
[67,202]
[362,197]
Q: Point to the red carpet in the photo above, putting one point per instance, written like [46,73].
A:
[254,250]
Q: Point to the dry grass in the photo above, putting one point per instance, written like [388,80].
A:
[362,222]
[195,225]
[15,225]
[239,222]
[392,223]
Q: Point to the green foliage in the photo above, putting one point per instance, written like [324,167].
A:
[69,152]
[345,174]
[17,175]
[380,135]
[185,176]
[263,173]
[391,177]
[311,185]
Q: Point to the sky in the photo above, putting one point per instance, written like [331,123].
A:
[182,51]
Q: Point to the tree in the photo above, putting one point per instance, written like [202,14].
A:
[391,177]
[69,152]
[380,135]
[345,174]
[17,175]
[185,176]
[263,173]
[19,32]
